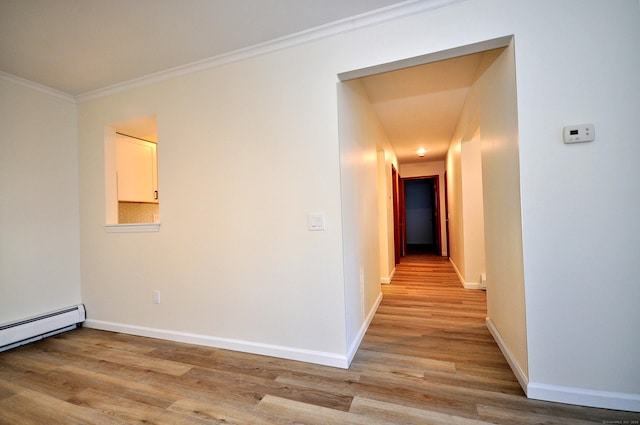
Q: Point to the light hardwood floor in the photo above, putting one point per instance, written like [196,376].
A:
[427,358]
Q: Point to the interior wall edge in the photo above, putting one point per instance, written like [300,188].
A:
[520,374]
[455,267]
[355,344]
[387,280]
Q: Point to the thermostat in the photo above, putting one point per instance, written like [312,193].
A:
[579,133]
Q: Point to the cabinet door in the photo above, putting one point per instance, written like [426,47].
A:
[137,170]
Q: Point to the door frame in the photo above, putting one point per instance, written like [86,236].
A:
[446,213]
[436,227]
[396,216]
[403,217]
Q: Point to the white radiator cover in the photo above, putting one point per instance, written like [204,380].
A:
[38,327]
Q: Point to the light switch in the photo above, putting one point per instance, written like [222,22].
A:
[316,221]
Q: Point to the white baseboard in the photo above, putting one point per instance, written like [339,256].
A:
[472,285]
[387,280]
[291,353]
[465,284]
[351,352]
[560,394]
[521,376]
[582,397]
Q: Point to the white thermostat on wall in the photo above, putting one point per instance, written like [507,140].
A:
[579,133]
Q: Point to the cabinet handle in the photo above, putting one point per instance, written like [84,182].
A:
[155,194]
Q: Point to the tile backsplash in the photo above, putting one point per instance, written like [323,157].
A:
[137,212]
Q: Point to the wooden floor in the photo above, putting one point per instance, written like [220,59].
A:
[426,359]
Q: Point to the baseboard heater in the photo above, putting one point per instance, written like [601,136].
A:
[28,330]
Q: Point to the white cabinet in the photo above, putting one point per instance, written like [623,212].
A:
[137,170]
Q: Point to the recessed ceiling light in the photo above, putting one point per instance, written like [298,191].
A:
[421,152]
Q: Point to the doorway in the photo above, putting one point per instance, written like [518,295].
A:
[422,215]
[490,104]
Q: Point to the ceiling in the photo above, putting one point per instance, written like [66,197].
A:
[419,107]
[78,46]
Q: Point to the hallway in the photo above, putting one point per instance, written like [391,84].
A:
[430,346]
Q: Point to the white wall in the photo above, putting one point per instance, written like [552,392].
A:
[360,136]
[453,165]
[464,175]
[432,168]
[386,159]
[473,211]
[247,150]
[580,248]
[494,99]
[39,231]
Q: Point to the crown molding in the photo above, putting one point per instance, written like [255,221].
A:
[37,86]
[405,8]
